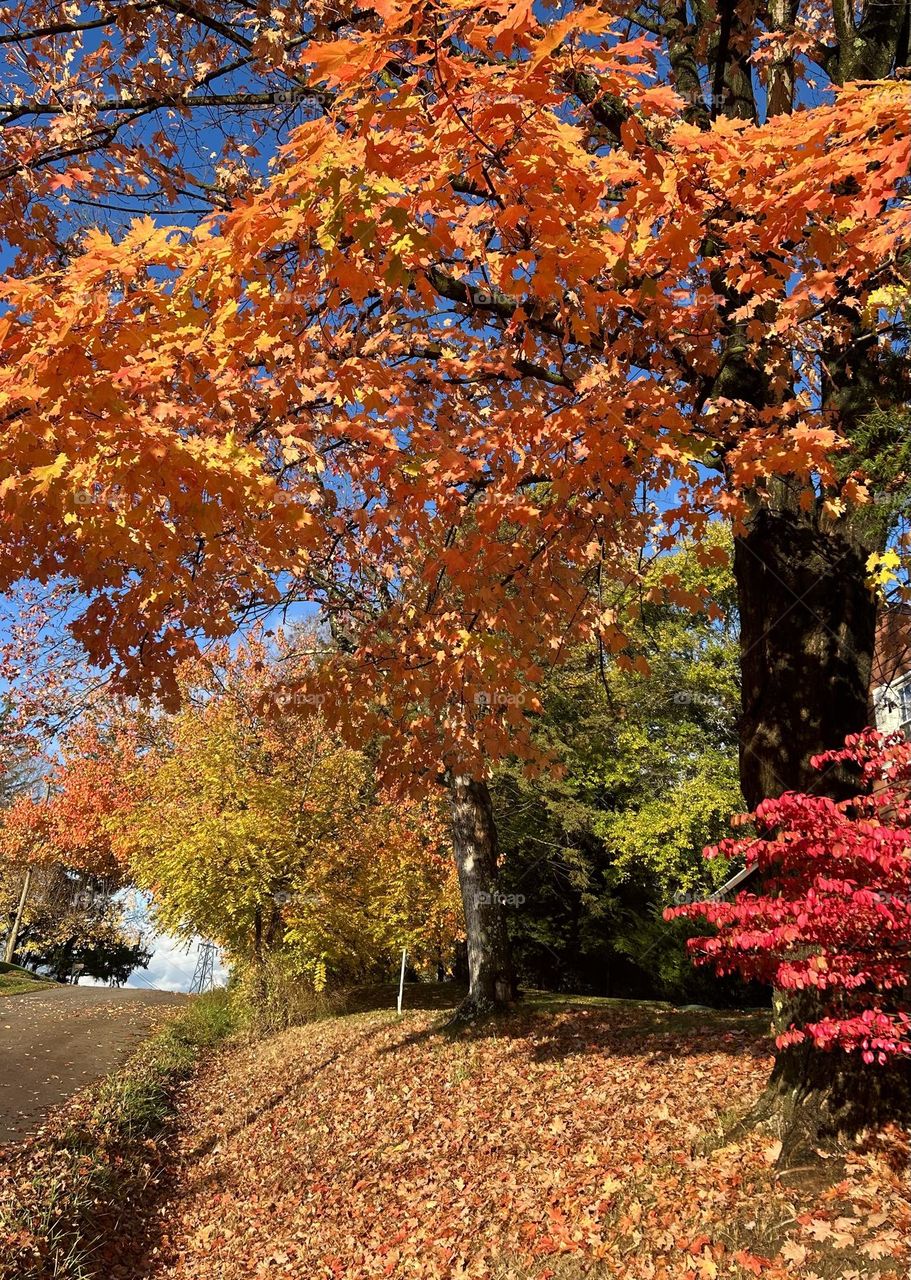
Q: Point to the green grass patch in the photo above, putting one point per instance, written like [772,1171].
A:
[99,1158]
[14,981]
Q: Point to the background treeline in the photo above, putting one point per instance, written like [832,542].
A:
[247,820]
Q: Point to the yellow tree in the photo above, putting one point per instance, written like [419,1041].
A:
[258,827]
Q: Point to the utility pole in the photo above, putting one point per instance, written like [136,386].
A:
[13,936]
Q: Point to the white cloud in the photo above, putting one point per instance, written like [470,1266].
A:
[173,959]
[172,964]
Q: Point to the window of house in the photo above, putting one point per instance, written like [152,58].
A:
[904,707]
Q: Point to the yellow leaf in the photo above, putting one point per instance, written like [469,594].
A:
[43,476]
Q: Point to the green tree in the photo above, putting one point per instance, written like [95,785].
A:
[73,924]
[647,777]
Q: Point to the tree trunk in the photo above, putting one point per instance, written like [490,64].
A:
[13,936]
[491,984]
[62,967]
[817,1098]
[808,621]
[782,69]
[259,987]
[869,45]
[808,625]
[727,60]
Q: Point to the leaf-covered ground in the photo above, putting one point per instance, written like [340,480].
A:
[562,1142]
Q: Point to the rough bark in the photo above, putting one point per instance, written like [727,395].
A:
[491,983]
[808,623]
[816,1099]
[782,76]
[727,58]
[259,986]
[867,46]
[678,34]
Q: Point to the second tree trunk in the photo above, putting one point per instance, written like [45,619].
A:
[491,982]
[808,624]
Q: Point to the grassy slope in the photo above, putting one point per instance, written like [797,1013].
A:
[15,981]
[566,1140]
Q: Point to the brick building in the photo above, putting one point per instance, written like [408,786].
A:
[890,687]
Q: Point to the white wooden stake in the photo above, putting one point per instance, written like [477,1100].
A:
[402,981]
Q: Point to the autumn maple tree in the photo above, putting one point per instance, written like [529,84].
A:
[60,819]
[518,305]
[58,867]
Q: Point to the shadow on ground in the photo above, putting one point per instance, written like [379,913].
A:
[421,996]
[562,1026]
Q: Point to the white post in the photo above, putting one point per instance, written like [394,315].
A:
[402,981]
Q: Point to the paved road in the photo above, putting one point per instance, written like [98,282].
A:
[54,1042]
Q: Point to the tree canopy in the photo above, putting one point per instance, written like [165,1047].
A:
[268,835]
[525,300]
[506,312]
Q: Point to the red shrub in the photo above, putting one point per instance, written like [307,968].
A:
[833,908]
